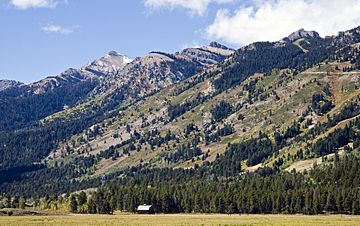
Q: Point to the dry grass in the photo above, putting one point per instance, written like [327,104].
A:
[182,219]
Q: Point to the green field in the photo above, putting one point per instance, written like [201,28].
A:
[181,219]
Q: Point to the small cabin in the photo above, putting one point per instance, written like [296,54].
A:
[145,209]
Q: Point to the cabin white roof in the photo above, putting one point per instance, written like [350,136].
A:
[144,207]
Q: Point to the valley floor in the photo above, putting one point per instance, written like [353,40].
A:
[181,219]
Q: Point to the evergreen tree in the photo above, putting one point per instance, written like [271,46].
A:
[73,204]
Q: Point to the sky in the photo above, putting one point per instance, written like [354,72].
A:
[39,38]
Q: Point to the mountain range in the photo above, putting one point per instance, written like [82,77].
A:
[207,114]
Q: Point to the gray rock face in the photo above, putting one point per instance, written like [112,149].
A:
[301,34]
[109,64]
[141,76]
[158,70]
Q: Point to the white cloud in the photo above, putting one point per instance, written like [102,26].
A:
[275,19]
[26,4]
[53,28]
[193,44]
[195,6]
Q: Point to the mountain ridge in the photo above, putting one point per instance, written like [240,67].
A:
[301,33]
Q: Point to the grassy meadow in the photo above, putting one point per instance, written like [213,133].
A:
[180,219]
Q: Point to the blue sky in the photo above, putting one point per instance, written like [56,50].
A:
[45,37]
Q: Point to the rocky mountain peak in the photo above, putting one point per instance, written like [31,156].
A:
[109,64]
[301,34]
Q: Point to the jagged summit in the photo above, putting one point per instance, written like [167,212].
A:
[105,66]
[157,70]
[302,33]
[108,64]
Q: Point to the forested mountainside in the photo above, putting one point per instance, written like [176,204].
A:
[269,128]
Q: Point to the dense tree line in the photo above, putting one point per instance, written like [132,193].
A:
[329,189]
